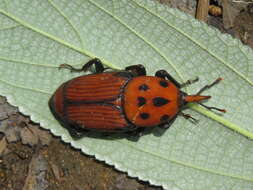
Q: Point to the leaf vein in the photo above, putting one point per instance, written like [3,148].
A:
[9,27]
[68,21]
[189,165]
[139,36]
[25,88]
[56,39]
[197,43]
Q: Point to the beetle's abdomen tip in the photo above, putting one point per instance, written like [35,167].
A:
[56,102]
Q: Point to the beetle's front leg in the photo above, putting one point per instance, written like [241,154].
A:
[164,74]
[137,70]
[99,68]
[168,124]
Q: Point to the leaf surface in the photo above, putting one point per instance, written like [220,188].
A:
[37,36]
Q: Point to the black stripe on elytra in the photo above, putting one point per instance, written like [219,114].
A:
[64,100]
[101,102]
[104,101]
[160,101]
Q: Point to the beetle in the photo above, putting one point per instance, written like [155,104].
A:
[121,101]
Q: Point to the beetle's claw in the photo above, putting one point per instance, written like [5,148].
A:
[65,66]
[188,116]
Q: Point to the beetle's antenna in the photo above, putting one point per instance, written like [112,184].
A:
[209,86]
[189,82]
[213,108]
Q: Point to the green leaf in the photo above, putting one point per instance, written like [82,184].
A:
[37,36]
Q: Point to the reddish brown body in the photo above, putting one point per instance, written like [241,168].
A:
[92,102]
[158,103]
[119,101]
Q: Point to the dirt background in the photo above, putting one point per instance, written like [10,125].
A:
[33,159]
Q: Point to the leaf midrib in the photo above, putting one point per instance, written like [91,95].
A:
[85,52]
[68,21]
[54,38]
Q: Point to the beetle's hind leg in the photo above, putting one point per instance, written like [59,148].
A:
[75,132]
[99,68]
[137,70]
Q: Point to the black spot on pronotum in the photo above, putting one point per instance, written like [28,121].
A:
[160,101]
[141,101]
[144,115]
[164,83]
[164,118]
[143,87]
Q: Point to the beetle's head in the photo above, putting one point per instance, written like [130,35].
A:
[198,99]
[192,98]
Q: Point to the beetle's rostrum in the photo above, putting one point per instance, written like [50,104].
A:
[121,101]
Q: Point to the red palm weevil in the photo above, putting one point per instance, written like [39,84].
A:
[119,101]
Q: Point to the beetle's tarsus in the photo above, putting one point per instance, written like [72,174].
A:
[99,68]
[66,66]
[213,108]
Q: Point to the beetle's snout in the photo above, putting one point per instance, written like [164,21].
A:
[195,98]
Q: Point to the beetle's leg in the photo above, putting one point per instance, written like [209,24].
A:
[209,86]
[99,68]
[188,116]
[213,108]
[75,134]
[136,133]
[137,70]
[164,74]
[168,124]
